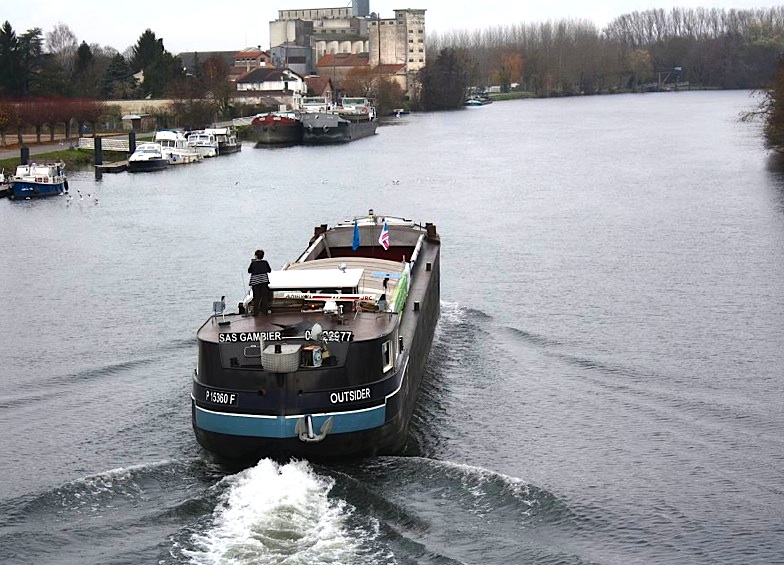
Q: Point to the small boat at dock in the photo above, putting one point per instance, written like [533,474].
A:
[334,368]
[227,139]
[5,184]
[174,146]
[148,157]
[478,100]
[35,180]
[203,142]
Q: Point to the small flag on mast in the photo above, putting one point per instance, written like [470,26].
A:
[355,241]
[383,239]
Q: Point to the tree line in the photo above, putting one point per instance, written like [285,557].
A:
[53,74]
[721,48]
[55,64]
[702,47]
[49,114]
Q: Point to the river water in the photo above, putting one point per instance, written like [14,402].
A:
[605,384]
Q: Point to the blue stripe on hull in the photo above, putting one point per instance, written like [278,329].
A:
[21,188]
[283,426]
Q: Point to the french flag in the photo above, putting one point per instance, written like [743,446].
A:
[383,239]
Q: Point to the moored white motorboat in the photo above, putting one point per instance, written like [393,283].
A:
[174,146]
[147,157]
[227,139]
[204,142]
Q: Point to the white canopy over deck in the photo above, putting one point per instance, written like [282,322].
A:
[372,273]
[313,279]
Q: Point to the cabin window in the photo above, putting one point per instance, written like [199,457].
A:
[386,355]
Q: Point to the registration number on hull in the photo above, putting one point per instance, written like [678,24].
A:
[220,397]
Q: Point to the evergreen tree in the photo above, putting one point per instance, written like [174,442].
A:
[445,81]
[51,79]
[147,50]
[31,59]
[118,82]
[84,58]
[163,75]
[11,78]
[85,77]
[162,70]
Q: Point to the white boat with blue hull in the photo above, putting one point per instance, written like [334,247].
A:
[35,180]
[334,369]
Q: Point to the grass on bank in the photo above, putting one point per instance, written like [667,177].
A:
[73,159]
[516,95]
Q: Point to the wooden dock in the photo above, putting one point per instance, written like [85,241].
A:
[116,167]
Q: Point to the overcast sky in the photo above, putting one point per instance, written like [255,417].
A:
[198,25]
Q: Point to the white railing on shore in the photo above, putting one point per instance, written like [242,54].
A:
[107,143]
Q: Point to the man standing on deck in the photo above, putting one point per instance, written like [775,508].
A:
[259,281]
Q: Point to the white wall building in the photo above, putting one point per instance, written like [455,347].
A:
[266,82]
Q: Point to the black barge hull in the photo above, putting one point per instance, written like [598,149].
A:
[323,128]
[277,134]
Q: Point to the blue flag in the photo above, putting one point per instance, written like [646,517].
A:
[355,242]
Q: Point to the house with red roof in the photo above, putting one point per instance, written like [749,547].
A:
[320,86]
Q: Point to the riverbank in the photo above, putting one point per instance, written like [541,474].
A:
[73,158]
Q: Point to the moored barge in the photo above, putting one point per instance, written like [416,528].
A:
[353,119]
[277,128]
[334,368]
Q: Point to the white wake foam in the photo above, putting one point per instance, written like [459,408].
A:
[277,514]
[452,313]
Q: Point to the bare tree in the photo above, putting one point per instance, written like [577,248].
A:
[61,43]
[360,81]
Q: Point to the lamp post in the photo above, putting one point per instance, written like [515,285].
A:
[378,30]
